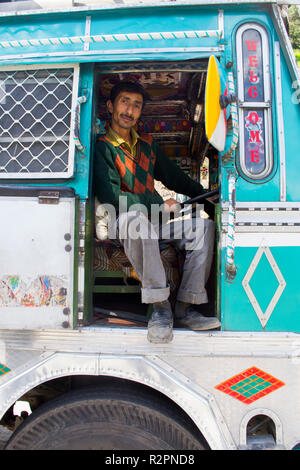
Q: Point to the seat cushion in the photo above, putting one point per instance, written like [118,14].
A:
[110,256]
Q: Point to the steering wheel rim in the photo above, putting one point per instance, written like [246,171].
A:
[200,197]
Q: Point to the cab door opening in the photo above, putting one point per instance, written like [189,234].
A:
[174,117]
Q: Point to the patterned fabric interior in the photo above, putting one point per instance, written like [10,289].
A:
[110,257]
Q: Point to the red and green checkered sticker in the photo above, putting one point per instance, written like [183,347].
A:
[3,369]
[250,385]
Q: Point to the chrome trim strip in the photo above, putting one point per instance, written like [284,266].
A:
[101,340]
[221,22]
[265,205]
[112,52]
[87,33]
[81,262]
[281,139]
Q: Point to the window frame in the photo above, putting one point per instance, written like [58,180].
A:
[245,106]
[71,151]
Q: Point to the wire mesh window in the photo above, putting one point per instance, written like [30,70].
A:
[35,123]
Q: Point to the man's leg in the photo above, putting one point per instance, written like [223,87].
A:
[140,242]
[196,236]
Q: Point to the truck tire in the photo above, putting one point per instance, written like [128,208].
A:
[96,419]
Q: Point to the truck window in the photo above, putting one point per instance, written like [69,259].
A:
[36,114]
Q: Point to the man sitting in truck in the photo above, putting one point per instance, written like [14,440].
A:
[126,164]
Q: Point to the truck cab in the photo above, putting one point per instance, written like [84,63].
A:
[223,85]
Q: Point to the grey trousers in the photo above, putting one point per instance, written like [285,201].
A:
[140,240]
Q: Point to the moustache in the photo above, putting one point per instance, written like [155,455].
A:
[126,116]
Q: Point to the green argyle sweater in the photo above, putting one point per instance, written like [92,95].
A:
[118,173]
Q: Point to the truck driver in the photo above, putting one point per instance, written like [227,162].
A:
[126,164]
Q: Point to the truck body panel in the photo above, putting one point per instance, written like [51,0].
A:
[224,379]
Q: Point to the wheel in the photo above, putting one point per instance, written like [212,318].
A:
[89,420]
[209,205]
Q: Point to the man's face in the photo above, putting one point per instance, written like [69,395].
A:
[126,109]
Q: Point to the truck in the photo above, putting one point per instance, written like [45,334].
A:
[224,88]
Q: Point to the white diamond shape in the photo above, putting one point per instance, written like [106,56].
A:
[263,316]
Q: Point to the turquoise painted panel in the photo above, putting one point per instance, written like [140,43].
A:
[247,191]
[263,283]
[41,27]
[236,310]
[238,313]
[155,20]
[267,191]
[81,179]
[291,109]
[251,190]
[105,22]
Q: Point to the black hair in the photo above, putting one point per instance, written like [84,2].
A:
[130,87]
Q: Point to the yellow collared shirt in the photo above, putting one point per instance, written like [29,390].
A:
[117,141]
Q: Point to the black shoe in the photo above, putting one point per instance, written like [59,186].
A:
[160,325]
[195,320]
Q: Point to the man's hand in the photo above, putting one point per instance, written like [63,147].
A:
[171,205]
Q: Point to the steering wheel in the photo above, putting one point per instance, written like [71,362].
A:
[191,201]
[200,197]
[209,210]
